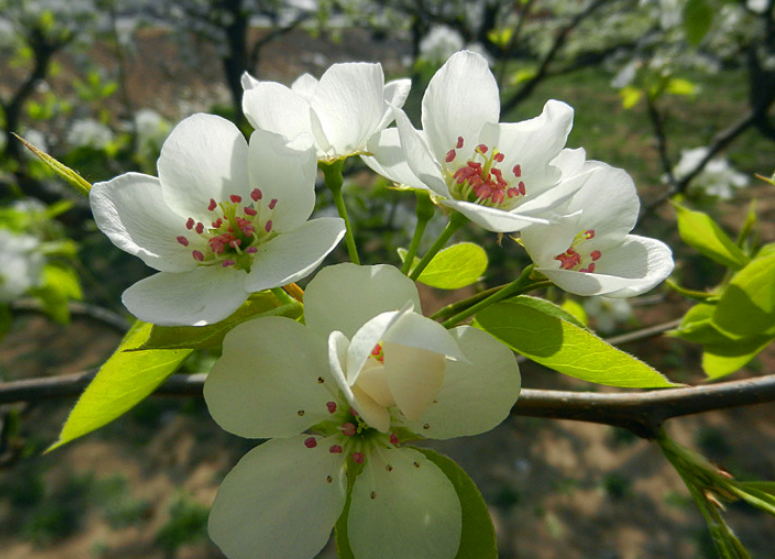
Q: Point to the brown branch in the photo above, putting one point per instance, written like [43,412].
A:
[642,413]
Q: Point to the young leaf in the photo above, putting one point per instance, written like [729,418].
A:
[565,347]
[697,19]
[123,381]
[60,285]
[696,326]
[72,177]
[747,306]
[478,538]
[699,231]
[456,266]
[727,356]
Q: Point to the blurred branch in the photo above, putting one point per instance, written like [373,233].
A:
[642,413]
[114,320]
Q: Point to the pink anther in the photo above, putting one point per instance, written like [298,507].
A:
[249,211]
[310,442]
[183,241]
[190,223]
[336,449]
[459,142]
[358,457]
[331,406]
[451,154]
[198,255]
[256,194]
[212,205]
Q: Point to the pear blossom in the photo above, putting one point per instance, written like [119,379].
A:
[499,175]
[608,312]
[339,397]
[718,178]
[225,218]
[590,250]
[350,103]
[22,264]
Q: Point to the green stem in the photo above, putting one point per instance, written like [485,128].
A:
[282,296]
[456,221]
[522,284]
[425,211]
[332,173]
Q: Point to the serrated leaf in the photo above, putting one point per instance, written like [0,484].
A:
[123,381]
[747,306]
[700,232]
[456,266]
[697,19]
[204,337]
[477,540]
[565,347]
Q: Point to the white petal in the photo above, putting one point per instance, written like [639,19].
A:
[344,297]
[370,411]
[414,330]
[248,81]
[403,506]
[373,381]
[294,255]
[130,210]
[414,377]
[388,159]
[476,394]
[204,157]
[274,107]
[304,86]
[201,296]
[395,94]
[349,103]
[494,219]
[419,157]
[544,242]
[366,338]
[461,97]
[285,172]
[267,382]
[647,261]
[278,502]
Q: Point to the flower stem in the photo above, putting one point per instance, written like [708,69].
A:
[282,296]
[522,284]
[332,173]
[425,210]
[456,221]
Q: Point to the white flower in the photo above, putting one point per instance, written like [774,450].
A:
[349,104]
[589,252]
[361,377]
[152,129]
[718,178]
[440,43]
[224,219]
[87,132]
[608,311]
[22,264]
[497,175]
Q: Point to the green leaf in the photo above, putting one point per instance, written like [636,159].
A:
[680,86]
[204,337]
[696,326]
[576,310]
[699,231]
[549,308]
[456,266]
[725,357]
[565,347]
[72,177]
[747,306]
[697,19]
[702,296]
[123,381]
[59,286]
[631,96]
[478,538]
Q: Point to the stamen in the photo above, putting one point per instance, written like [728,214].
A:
[330,405]
[217,223]
[348,429]
[227,263]
[198,255]
[358,457]
[459,142]
[200,228]
[251,250]
[250,211]
[190,223]
[595,255]
[311,442]
[256,195]
[451,154]
[235,199]
[212,205]
[268,226]
[183,241]
[393,439]
[336,449]
[517,170]
[481,148]
[272,203]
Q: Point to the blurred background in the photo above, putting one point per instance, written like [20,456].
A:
[677,92]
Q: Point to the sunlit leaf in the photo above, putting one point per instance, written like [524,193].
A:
[727,356]
[72,177]
[565,347]
[576,310]
[456,266]
[631,96]
[680,86]
[123,381]
[699,231]
[747,306]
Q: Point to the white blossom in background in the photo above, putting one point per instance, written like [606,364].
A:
[151,129]
[344,392]
[22,264]
[718,178]
[224,219]
[89,133]
[589,251]
[500,176]
[440,43]
[608,312]
[341,111]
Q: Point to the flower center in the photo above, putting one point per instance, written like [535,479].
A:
[479,180]
[235,232]
[573,260]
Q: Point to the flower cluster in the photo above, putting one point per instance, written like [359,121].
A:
[341,393]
